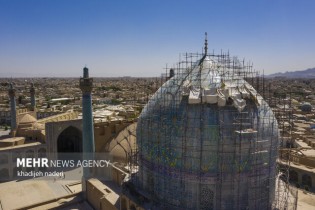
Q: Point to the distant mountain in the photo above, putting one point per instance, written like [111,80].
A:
[308,73]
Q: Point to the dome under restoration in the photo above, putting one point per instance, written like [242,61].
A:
[208,140]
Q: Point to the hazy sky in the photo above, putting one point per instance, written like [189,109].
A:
[139,37]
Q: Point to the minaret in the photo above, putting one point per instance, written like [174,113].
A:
[86,84]
[33,101]
[12,109]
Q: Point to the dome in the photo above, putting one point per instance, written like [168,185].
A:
[306,107]
[207,140]
[122,145]
[26,119]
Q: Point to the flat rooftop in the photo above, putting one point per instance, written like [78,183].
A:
[42,193]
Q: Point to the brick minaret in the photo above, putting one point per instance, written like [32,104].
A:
[13,109]
[33,101]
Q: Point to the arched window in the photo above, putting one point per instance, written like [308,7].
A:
[69,143]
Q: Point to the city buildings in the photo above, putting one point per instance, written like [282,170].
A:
[207,139]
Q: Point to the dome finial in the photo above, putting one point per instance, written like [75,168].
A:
[206,43]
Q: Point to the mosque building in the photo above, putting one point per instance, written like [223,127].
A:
[205,140]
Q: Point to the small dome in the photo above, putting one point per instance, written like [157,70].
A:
[27,118]
[306,107]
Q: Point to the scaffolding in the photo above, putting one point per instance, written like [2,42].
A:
[281,104]
[208,140]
